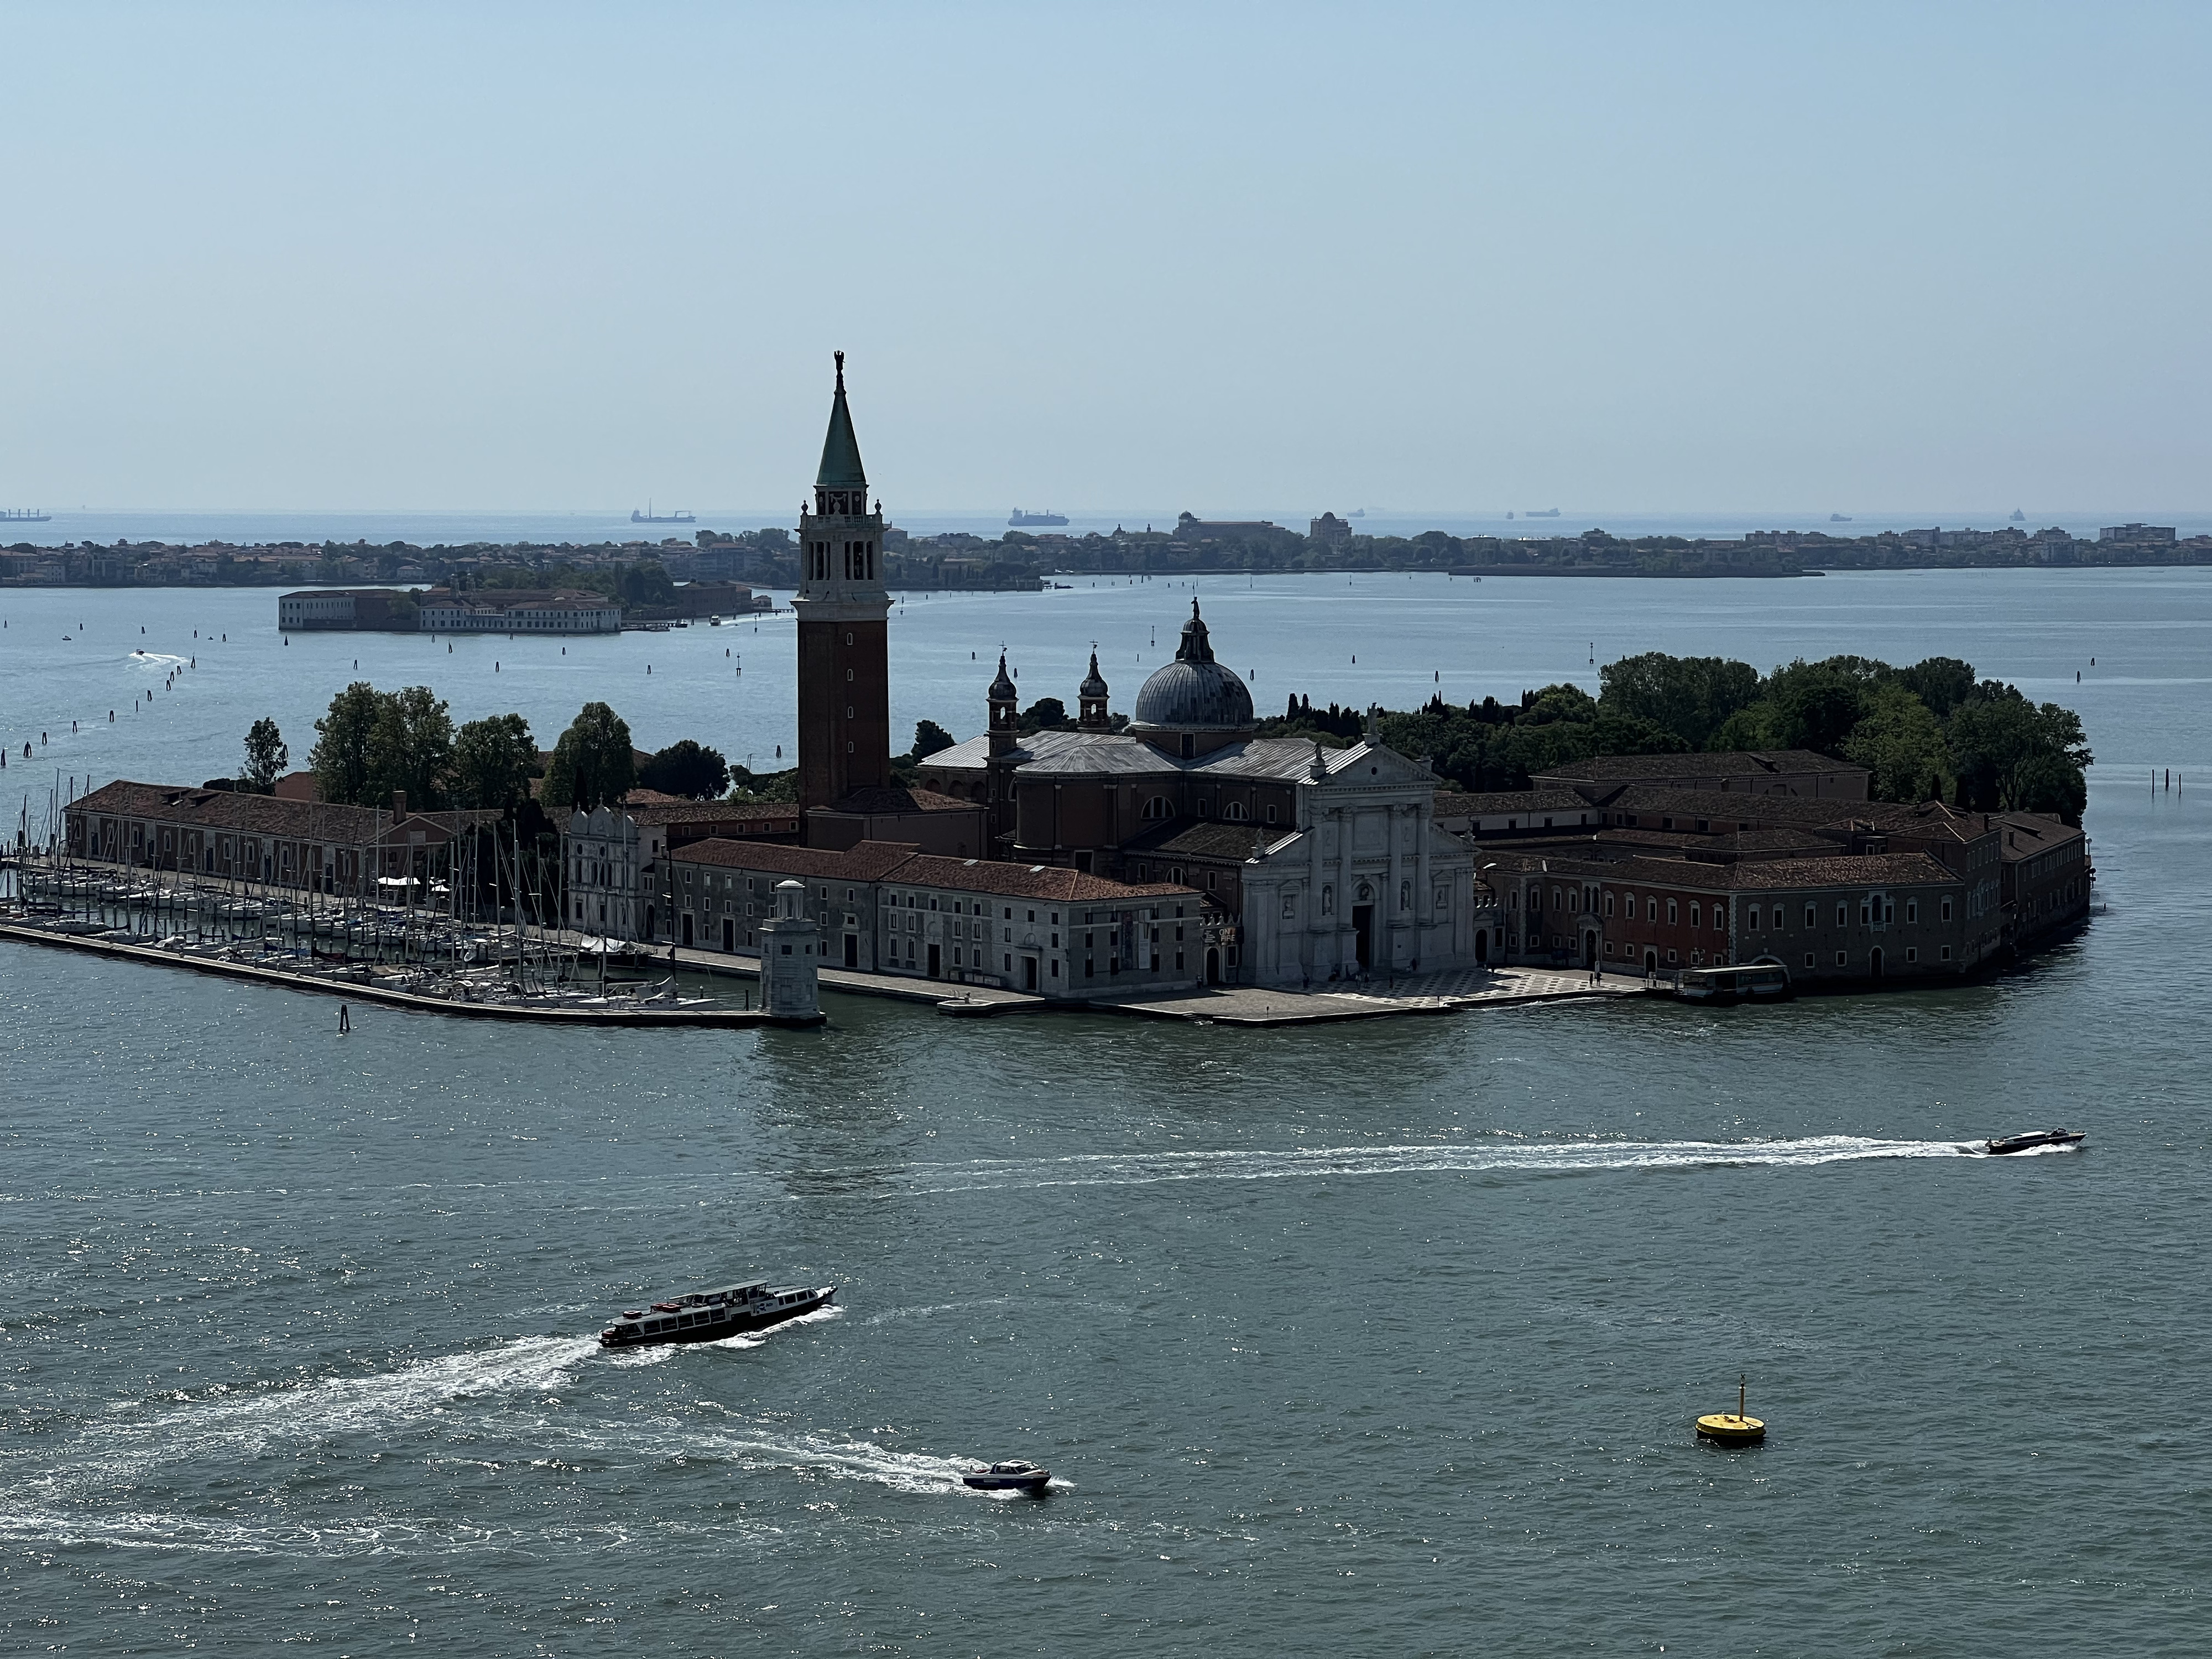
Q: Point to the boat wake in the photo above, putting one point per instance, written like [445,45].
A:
[122,1480]
[755,1339]
[1319,1163]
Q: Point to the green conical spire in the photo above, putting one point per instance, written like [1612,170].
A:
[841,450]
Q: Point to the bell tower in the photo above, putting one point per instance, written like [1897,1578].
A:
[1090,698]
[1003,807]
[844,673]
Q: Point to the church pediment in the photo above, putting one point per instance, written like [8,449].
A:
[1374,766]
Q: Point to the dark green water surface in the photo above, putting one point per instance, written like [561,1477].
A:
[1379,1339]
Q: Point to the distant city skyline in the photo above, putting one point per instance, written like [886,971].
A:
[1230,256]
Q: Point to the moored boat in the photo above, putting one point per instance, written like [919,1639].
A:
[710,1315]
[1014,1475]
[2032,1139]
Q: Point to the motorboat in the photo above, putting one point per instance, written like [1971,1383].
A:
[710,1315]
[2034,1139]
[1011,1476]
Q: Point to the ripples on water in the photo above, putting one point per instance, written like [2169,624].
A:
[1378,1338]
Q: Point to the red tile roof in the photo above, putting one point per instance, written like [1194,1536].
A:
[901,863]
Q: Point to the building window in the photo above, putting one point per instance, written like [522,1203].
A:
[1808,958]
[1841,958]
[1157,808]
[1947,913]
[1674,915]
[1947,953]
[1651,909]
[1670,957]
[1608,904]
[1913,910]
[1271,811]
[1751,921]
[1693,913]
[1233,812]
[1811,921]
[1912,953]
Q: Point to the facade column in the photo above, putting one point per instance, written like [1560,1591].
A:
[1310,943]
[1424,900]
[1400,920]
[1344,817]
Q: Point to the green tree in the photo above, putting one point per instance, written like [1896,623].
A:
[410,748]
[1689,697]
[493,760]
[592,763]
[1942,682]
[1755,727]
[266,757]
[340,758]
[646,583]
[929,737]
[1817,704]
[686,768]
[2013,756]
[1900,743]
[1045,714]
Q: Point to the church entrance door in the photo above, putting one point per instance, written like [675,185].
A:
[1362,932]
[936,962]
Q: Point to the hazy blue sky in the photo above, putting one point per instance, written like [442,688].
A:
[1248,258]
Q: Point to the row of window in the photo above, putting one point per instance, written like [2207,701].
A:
[1876,910]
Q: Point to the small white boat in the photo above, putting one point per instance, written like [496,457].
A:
[1011,1476]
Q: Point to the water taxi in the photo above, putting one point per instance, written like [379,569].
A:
[710,1315]
[1763,980]
[1014,1475]
[2034,1138]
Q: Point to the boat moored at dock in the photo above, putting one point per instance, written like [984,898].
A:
[1763,980]
[710,1315]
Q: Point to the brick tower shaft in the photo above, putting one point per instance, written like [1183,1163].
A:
[844,671]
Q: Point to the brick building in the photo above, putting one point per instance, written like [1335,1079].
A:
[889,908]
[310,844]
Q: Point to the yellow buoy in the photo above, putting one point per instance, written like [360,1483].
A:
[1733,1428]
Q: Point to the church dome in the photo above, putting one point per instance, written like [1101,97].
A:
[1193,693]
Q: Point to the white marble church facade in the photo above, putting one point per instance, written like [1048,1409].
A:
[1366,884]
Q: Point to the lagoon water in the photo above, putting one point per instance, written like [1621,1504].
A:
[1369,1338]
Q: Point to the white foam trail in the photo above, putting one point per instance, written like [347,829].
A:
[238,1424]
[72,1498]
[1536,1157]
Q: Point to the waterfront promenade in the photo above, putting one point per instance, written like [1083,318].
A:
[1460,991]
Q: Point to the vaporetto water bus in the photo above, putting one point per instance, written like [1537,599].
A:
[710,1315]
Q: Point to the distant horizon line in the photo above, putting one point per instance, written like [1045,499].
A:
[1518,514]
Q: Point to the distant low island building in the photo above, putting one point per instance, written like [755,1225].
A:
[499,610]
